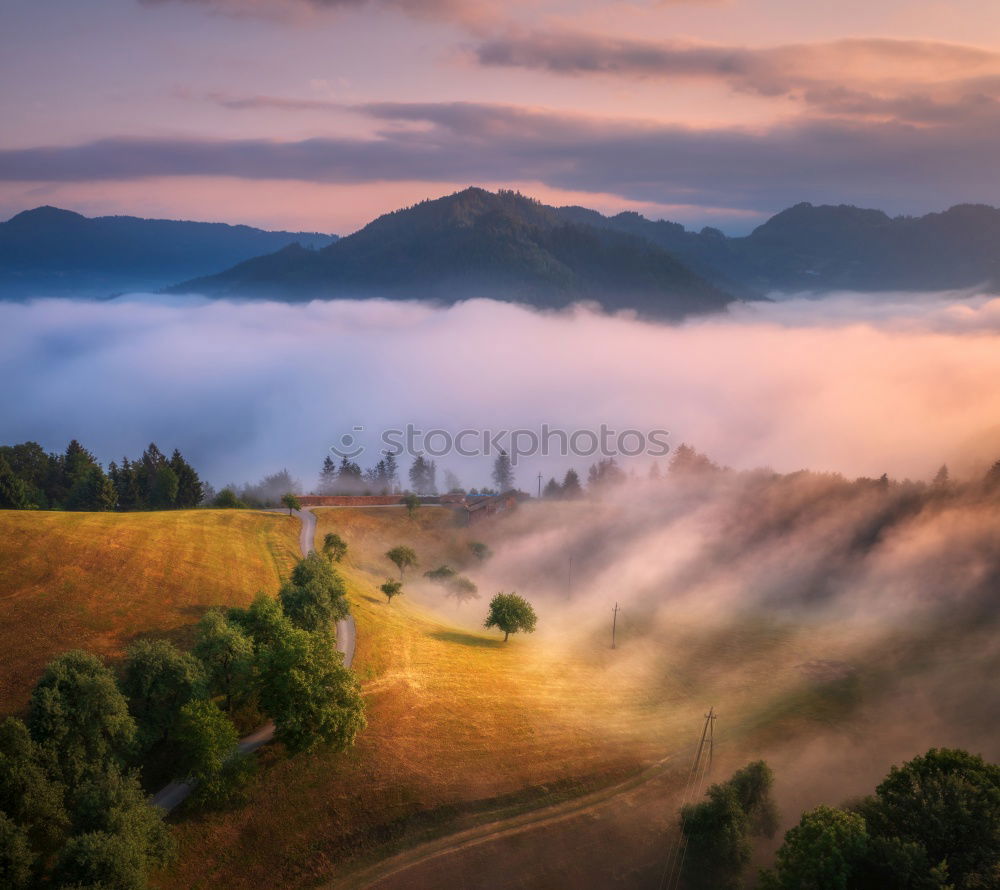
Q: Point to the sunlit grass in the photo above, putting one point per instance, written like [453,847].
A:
[95,581]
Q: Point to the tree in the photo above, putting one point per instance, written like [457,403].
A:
[820,853]
[118,835]
[571,488]
[227,500]
[441,575]
[27,794]
[391,588]
[158,681]
[291,501]
[308,692]
[552,489]
[328,477]
[263,621]
[79,717]
[334,547]
[687,461]
[190,491]
[163,493]
[314,595]
[17,859]
[718,830]
[227,654]
[511,613]
[452,484]
[349,480]
[480,551]
[604,473]
[403,557]
[391,471]
[503,473]
[411,502]
[207,740]
[461,589]
[92,490]
[423,475]
[13,492]
[947,801]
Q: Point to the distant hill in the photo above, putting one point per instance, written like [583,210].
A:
[823,248]
[53,252]
[479,244]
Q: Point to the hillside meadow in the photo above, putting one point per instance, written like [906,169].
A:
[465,730]
[97,581]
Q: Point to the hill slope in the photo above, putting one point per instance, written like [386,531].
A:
[48,251]
[478,244]
[96,581]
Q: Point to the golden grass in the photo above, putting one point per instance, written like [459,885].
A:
[96,581]
[463,727]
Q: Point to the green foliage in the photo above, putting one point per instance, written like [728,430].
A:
[821,853]
[423,475]
[291,501]
[308,692]
[118,835]
[190,490]
[16,856]
[511,613]
[158,681]
[480,551]
[79,717]
[948,802]
[334,547]
[411,502]
[163,492]
[92,490]
[228,500]
[13,491]
[207,741]
[718,830]
[441,575]
[315,595]
[227,654]
[403,557]
[391,588]
[263,621]
[27,794]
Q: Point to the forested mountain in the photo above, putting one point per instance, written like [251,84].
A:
[828,248]
[479,244]
[48,252]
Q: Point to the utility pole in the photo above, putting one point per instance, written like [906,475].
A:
[539,486]
[614,624]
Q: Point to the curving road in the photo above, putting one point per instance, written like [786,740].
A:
[172,795]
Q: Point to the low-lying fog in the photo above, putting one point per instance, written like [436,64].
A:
[861,384]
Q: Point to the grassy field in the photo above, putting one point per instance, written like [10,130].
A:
[96,581]
[463,728]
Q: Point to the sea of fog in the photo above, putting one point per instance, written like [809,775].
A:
[856,383]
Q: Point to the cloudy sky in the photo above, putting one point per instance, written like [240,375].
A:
[320,114]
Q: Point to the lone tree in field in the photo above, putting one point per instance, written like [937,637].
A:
[511,613]
[480,550]
[291,501]
[403,557]
[461,589]
[334,547]
[391,588]
[411,502]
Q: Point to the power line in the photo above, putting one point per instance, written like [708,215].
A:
[614,624]
[674,867]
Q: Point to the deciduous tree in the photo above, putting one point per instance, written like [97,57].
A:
[511,613]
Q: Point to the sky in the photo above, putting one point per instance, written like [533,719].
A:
[321,114]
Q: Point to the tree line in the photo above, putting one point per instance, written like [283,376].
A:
[931,824]
[31,478]
[75,775]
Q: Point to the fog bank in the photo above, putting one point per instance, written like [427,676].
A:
[859,384]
